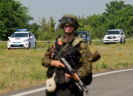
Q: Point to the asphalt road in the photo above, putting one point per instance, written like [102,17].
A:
[118,83]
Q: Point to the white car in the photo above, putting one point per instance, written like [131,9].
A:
[114,36]
[22,38]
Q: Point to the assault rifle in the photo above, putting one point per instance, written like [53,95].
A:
[74,75]
[96,56]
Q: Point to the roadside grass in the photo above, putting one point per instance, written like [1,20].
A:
[3,45]
[114,56]
[21,68]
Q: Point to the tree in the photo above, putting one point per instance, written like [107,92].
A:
[52,33]
[47,30]
[114,6]
[43,30]
[12,16]
[52,24]
[35,29]
[119,16]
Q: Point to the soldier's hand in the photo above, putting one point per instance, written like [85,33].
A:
[57,63]
[67,75]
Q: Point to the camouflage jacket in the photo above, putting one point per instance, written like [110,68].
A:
[84,56]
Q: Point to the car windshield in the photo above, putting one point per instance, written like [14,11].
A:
[19,35]
[112,32]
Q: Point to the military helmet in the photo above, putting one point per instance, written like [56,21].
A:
[69,20]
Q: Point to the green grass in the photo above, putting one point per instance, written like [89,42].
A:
[3,45]
[21,68]
[114,56]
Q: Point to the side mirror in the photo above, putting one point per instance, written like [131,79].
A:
[9,37]
[31,36]
[121,33]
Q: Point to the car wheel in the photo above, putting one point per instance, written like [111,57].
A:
[121,41]
[35,45]
[29,46]
[9,48]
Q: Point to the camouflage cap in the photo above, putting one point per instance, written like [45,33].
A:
[71,16]
[69,19]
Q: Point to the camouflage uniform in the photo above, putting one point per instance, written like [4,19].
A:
[83,65]
[77,53]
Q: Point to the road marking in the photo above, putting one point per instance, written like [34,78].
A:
[29,92]
[111,72]
[44,88]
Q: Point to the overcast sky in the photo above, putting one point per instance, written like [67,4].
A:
[56,8]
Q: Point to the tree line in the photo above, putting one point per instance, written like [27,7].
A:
[12,16]
[117,15]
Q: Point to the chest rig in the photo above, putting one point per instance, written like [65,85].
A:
[69,51]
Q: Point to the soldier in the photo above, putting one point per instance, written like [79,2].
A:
[76,51]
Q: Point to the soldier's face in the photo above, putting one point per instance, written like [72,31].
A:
[68,29]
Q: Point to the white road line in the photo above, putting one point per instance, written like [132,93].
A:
[111,72]
[44,88]
[29,92]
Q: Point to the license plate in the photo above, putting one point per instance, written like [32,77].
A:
[17,44]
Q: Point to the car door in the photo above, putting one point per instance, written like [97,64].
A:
[31,39]
[122,36]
